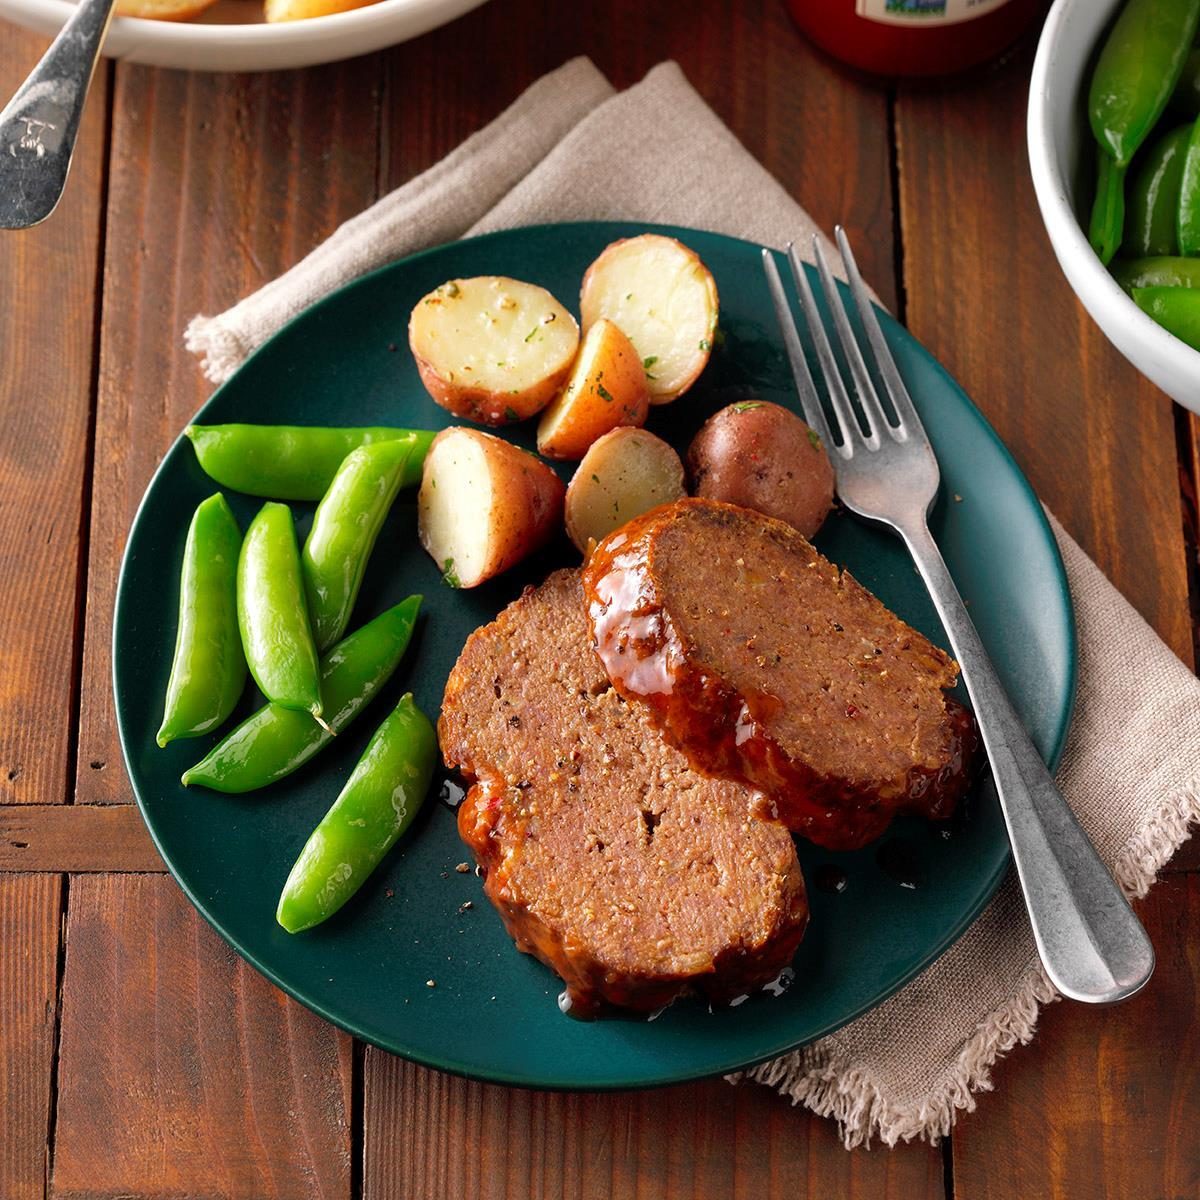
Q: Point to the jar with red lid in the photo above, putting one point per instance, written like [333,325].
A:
[915,37]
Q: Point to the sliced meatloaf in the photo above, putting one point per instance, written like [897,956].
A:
[764,662]
[606,855]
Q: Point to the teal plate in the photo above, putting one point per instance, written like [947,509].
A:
[492,1012]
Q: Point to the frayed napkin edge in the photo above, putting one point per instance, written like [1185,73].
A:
[850,1096]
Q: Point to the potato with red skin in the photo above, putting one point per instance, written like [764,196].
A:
[484,504]
[764,457]
[625,473]
[606,389]
[664,299]
[492,349]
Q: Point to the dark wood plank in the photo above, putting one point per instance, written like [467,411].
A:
[218,183]
[30,907]
[182,1072]
[1103,1107]
[985,294]
[430,1136]
[820,131]
[75,838]
[47,293]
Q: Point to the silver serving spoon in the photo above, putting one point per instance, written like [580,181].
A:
[39,124]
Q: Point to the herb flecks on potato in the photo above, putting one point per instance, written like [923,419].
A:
[664,299]
[484,504]
[492,349]
[606,389]
[625,473]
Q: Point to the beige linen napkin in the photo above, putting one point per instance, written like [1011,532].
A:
[908,1067]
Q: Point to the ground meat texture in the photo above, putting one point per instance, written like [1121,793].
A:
[765,663]
[607,857]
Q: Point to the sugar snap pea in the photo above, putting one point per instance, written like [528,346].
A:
[292,462]
[1188,210]
[343,534]
[1139,65]
[1108,212]
[1152,196]
[272,614]
[209,669]
[1167,271]
[1185,99]
[1177,310]
[274,741]
[376,806]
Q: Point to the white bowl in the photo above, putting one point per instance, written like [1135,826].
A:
[1058,137]
[231,36]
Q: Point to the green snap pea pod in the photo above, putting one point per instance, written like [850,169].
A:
[1138,68]
[1152,196]
[292,462]
[272,613]
[275,741]
[209,669]
[343,534]
[1157,272]
[1188,211]
[1108,213]
[1185,99]
[376,806]
[1177,310]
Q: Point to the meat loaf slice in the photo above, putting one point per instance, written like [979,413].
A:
[765,663]
[606,856]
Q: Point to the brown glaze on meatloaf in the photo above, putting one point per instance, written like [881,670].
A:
[606,855]
[765,663]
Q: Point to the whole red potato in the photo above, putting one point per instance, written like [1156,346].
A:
[763,456]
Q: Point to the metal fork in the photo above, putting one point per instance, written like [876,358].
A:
[1092,945]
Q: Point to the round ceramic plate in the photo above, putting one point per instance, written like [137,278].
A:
[492,1011]
[231,35]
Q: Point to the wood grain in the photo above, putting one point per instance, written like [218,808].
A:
[986,295]
[75,838]
[182,1072]
[217,184]
[821,132]
[48,297]
[429,1136]
[1103,1106]
[29,922]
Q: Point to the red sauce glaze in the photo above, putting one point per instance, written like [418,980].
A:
[723,731]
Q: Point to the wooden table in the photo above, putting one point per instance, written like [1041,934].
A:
[140,1057]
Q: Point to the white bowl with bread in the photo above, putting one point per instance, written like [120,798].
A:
[246,35]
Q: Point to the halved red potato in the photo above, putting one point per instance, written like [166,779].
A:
[484,504]
[492,349]
[665,301]
[625,473]
[606,389]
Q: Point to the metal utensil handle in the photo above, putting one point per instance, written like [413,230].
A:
[39,124]
[1091,943]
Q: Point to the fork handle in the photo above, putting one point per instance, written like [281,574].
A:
[39,124]
[1090,941]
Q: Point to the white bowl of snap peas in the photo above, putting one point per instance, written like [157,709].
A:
[1064,154]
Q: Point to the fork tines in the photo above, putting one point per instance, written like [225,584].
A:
[856,431]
